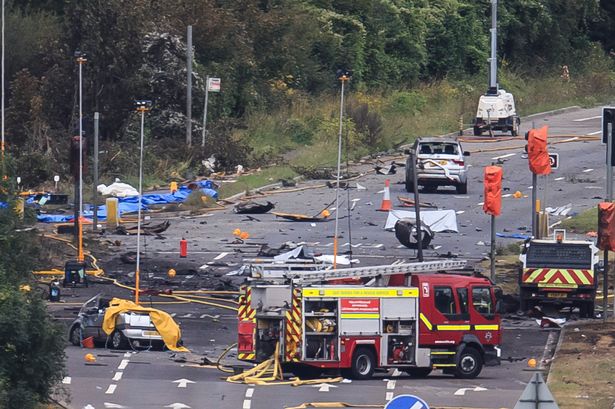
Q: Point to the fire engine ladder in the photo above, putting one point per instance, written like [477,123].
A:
[364,272]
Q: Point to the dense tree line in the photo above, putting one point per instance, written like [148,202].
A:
[265,51]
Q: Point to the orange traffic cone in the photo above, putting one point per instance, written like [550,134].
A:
[386,205]
[88,342]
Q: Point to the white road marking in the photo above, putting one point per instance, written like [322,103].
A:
[560,178]
[396,372]
[388,396]
[88,406]
[391,385]
[109,405]
[323,387]
[67,380]
[377,246]
[111,389]
[460,211]
[127,355]
[182,383]
[123,364]
[587,119]
[189,315]
[508,155]
[117,376]
[480,203]
[221,256]
[588,170]
[595,132]
[249,392]
[173,314]
[247,404]
[593,187]
[507,195]
[437,247]
[215,317]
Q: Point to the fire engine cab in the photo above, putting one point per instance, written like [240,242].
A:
[401,319]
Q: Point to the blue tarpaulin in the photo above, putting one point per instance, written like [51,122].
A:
[130,204]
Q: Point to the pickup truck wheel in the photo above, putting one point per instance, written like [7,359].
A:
[418,372]
[363,364]
[462,188]
[477,131]
[118,340]
[76,334]
[469,365]
[514,132]
[409,185]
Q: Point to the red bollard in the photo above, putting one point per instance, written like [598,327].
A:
[183,248]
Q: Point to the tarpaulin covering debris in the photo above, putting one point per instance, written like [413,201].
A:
[438,220]
[168,329]
[130,204]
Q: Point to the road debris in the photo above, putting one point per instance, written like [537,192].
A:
[407,234]
[407,202]
[252,207]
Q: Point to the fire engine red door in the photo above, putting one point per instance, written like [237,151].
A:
[484,317]
[444,315]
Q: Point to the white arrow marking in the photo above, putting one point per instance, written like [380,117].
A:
[182,383]
[462,391]
[113,406]
[66,380]
[324,387]
[177,405]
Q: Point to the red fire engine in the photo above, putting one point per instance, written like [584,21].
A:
[406,320]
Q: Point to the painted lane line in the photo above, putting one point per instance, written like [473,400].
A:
[127,355]
[507,195]
[67,380]
[460,212]
[249,392]
[396,372]
[221,256]
[117,376]
[189,315]
[559,178]
[111,389]
[595,132]
[480,203]
[123,364]
[587,119]
[247,404]
[388,396]
[391,385]
[588,170]
[508,155]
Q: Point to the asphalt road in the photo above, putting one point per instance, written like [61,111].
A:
[147,377]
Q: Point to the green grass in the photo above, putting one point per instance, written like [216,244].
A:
[583,222]
[248,182]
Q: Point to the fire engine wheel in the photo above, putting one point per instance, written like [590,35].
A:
[470,364]
[76,334]
[118,340]
[363,364]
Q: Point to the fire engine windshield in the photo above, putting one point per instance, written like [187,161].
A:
[559,255]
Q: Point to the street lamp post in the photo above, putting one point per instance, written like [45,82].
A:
[343,76]
[142,108]
[81,59]
[2,98]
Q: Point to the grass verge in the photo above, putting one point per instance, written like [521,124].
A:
[581,375]
[583,222]
[248,182]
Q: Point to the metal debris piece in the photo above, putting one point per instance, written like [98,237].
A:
[252,207]
[406,233]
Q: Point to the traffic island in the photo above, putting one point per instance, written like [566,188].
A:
[581,373]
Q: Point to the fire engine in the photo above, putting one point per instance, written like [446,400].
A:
[406,316]
[558,271]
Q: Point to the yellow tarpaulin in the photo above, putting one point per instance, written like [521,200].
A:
[168,329]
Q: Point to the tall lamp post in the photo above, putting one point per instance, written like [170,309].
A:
[343,75]
[142,107]
[81,59]
[2,103]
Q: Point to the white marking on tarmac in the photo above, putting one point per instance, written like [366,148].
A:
[507,195]
[247,404]
[560,178]
[460,211]
[377,246]
[508,155]
[67,380]
[595,132]
[588,170]
[391,385]
[396,372]
[123,364]
[117,376]
[587,119]
[189,315]
[173,314]
[111,389]
[480,203]
[389,396]
[221,256]
[127,355]
[249,392]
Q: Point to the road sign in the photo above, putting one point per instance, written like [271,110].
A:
[554,160]
[213,85]
[536,395]
[406,402]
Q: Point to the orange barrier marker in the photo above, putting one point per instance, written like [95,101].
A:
[386,204]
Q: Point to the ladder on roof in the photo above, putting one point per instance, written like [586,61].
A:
[306,276]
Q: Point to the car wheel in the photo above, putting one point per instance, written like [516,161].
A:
[118,340]
[462,189]
[409,185]
[418,372]
[470,364]
[363,364]
[76,335]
